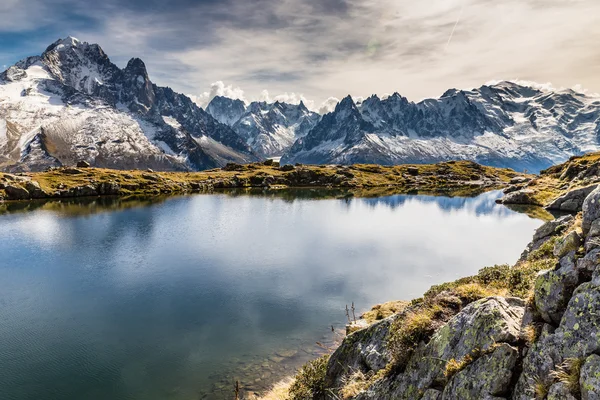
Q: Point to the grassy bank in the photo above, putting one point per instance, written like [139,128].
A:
[453,178]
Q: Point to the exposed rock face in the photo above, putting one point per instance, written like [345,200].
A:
[565,310]
[590,378]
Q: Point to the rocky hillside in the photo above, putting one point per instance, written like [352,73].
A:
[505,124]
[527,331]
[561,188]
[269,129]
[72,103]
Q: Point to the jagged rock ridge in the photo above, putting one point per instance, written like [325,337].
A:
[72,103]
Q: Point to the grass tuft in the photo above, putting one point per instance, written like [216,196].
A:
[568,373]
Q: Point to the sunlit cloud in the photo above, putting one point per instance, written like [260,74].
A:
[317,50]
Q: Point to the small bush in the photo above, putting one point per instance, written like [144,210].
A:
[407,332]
[310,380]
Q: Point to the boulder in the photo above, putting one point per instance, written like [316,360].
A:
[589,380]
[588,264]
[512,188]
[83,164]
[577,336]
[82,191]
[365,350]
[573,200]
[569,243]
[488,376]
[480,326]
[287,167]
[591,210]
[413,171]
[16,192]
[519,179]
[559,391]
[553,227]
[547,231]
[554,288]
[109,188]
[523,196]
[35,191]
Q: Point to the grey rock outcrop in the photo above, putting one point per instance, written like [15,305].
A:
[572,201]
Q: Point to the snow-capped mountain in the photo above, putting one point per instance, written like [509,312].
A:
[72,103]
[506,124]
[269,129]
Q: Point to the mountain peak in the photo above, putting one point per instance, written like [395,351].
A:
[302,106]
[346,102]
[64,44]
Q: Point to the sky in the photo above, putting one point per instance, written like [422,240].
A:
[322,50]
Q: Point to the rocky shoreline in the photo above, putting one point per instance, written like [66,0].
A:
[455,178]
[527,331]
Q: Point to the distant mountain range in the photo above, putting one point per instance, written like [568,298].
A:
[72,103]
[504,125]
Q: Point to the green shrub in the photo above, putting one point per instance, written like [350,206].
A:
[310,380]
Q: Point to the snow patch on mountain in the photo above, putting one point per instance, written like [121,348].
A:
[268,128]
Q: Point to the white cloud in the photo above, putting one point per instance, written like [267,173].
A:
[218,89]
[328,105]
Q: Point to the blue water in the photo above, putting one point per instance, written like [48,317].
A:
[178,299]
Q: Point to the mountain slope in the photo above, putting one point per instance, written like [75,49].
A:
[506,124]
[72,103]
[269,129]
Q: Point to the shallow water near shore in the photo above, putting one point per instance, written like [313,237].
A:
[178,298]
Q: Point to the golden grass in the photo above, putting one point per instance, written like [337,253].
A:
[354,384]
[279,391]
[382,311]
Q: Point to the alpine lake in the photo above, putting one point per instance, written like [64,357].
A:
[178,298]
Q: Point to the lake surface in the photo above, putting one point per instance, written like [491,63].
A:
[177,300]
